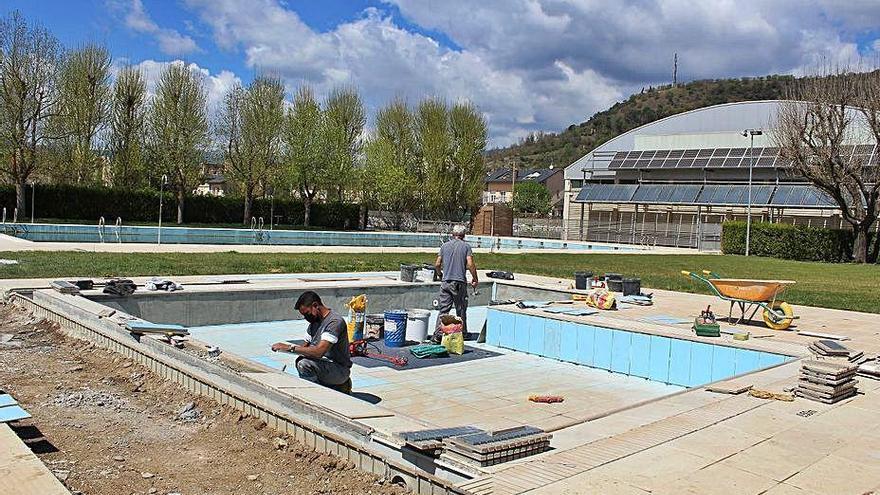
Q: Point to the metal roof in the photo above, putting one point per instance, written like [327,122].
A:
[783,195]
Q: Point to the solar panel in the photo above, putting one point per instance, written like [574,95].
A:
[732,161]
[690,153]
[720,152]
[647,155]
[607,193]
[705,153]
[770,152]
[676,153]
[715,162]
[737,151]
[700,163]
[629,164]
[864,149]
[634,155]
[616,162]
[792,195]
[734,195]
[765,161]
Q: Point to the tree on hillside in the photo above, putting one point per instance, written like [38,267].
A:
[250,126]
[469,135]
[305,159]
[531,197]
[29,60]
[344,120]
[126,140]
[83,107]
[813,131]
[178,119]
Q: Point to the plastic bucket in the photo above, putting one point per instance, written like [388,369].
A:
[417,325]
[407,272]
[395,328]
[373,326]
[632,286]
[582,280]
[614,284]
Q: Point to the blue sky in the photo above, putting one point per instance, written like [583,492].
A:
[529,65]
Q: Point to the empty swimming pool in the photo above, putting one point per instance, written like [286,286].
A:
[188,235]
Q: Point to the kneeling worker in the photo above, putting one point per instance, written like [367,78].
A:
[325,358]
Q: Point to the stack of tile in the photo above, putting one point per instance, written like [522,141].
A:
[490,448]
[830,348]
[65,287]
[826,381]
[430,442]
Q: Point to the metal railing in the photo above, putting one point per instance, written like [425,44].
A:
[102,227]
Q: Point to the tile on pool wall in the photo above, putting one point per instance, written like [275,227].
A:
[658,368]
[552,338]
[586,336]
[568,337]
[723,362]
[602,348]
[679,362]
[493,327]
[768,359]
[620,344]
[701,364]
[746,361]
[508,329]
[640,355]
[536,335]
[521,333]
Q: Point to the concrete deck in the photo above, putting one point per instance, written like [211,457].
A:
[619,434]
[21,472]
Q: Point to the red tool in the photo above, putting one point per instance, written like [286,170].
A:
[359,348]
[546,399]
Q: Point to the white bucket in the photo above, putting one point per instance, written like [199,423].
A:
[417,325]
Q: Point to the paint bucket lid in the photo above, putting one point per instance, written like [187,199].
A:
[418,313]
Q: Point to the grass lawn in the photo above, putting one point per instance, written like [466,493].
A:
[843,286]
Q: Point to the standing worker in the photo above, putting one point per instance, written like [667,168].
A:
[455,258]
[325,358]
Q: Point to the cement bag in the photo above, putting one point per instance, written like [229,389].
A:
[601,299]
[357,308]
[453,342]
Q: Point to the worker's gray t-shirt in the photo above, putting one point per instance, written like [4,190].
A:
[454,253]
[334,330]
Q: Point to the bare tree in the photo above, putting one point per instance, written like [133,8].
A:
[126,141]
[83,108]
[824,116]
[178,120]
[30,57]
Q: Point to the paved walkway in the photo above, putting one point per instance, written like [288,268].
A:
[21,472]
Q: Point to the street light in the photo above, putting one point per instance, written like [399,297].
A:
[33,195]
[161,197]
[750,133]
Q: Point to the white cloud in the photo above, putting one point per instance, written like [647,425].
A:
[216,85]
[538,64]
[170,41]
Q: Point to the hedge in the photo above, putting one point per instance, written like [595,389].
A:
[90,203]
[786,241]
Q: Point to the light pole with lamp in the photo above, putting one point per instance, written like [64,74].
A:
[161,198]
[750,133]
[33,195]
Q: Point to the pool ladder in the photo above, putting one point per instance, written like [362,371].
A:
[102,226]
[257,229]
[102,229]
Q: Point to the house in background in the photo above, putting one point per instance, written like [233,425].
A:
[213,179]
[499,182]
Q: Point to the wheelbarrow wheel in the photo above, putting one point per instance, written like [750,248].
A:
[779,317]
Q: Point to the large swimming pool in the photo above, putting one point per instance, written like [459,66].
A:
[187,235]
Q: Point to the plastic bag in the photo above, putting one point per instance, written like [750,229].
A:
[453,342]
[601,299]
[357,308]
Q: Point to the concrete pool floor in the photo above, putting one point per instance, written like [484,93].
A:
[690,442]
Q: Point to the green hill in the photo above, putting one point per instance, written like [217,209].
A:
[561,149]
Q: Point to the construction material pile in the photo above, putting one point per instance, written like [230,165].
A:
[827,381]
[832,349]
[475,447]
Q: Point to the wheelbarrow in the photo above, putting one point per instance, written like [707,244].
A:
[751,295]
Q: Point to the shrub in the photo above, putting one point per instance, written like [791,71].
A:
[786,241]
[90,203]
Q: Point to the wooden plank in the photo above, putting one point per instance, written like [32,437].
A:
[21,472]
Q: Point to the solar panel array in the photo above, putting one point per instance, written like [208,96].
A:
[762,157]
[786,195]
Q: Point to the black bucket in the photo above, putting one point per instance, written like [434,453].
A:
[582,280]
[632,286]
[614,284]
[408,272]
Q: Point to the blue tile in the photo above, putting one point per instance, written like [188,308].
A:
[723,362]
[640,355]
[568,342]
[12,413]
[620,343]
[602,348]
[493,327]
[659,365]
[552,338]
[679,362]
[536,336]
[586,336]
[521,333]
[701,364]
[508,329]
[746,361]
[7,400]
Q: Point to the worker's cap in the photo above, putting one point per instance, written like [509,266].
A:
[459,230]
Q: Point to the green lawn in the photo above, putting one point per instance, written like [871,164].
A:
[844,286]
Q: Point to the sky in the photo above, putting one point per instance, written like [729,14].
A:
[528,65]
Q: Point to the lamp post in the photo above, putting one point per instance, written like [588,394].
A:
[33,195]
[270,191]
[161,198]
[750,133]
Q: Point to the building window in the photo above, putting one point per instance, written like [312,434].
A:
[577,183]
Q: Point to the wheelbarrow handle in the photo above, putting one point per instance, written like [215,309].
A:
[687,273]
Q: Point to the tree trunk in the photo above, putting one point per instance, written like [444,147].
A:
[860,245]
[248,203]
[20,200]
[874,255]
[180,198]
[364,216]
[307,204]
